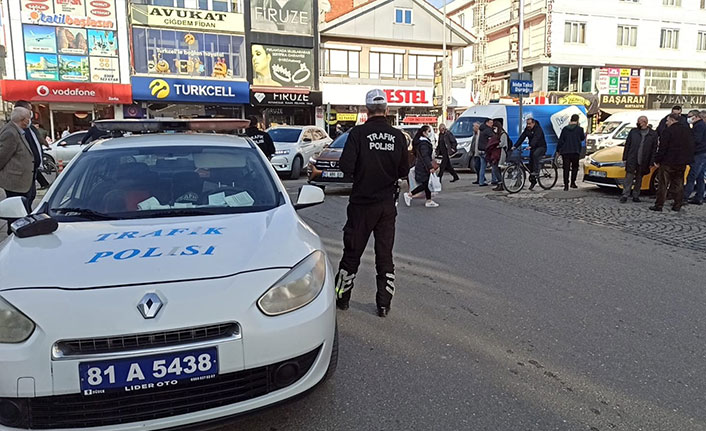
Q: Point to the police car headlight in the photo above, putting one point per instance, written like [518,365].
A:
[297,288]
[15,327]
[281,152]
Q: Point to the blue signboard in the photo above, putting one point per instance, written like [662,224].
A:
[190,90]
[521,87]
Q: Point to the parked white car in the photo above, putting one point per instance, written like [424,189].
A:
[178,286]
[295,145]
[65,149]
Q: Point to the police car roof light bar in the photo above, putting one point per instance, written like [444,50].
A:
[160,125]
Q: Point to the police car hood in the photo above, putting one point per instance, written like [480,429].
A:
[124,252]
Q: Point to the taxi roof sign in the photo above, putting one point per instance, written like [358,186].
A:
[157,125]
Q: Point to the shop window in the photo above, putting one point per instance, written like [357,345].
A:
[627,35]
[385,65]
[693,82]
[587,80]
[339,62]
[561,78]
[422,66]
[660,81]
[669,38]
[671,2]
[701,41]
[575,32]
[403,16]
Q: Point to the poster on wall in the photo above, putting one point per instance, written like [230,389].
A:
[103,43]
[42,67]
[183,53]
[39,39]
[104,69]
[70,7]
[71,41]
[99,9]
[616,81]
[38,6]
[99,14]
[285,16]
[73,68]
[280,66]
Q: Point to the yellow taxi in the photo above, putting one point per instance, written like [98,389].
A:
[606,168]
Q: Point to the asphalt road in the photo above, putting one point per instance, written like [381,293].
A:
[530,312]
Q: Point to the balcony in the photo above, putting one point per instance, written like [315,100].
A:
[366,78]
[509,16]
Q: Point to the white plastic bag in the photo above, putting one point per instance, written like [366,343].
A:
[434,183]
[412,181]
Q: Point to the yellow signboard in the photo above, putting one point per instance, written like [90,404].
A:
[190,19]
[347,117]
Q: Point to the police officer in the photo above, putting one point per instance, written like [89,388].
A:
[261,139]
[375,156]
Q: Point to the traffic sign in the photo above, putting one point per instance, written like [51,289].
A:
[521,87]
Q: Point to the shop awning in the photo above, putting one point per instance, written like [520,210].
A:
[419,120]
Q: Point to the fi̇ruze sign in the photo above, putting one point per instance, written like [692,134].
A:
[285,98]
[159,16]
[189,90]
[287,16]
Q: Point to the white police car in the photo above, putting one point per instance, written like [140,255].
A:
[170,283]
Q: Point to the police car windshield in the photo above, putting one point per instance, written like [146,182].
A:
[285,135]
[339,142]
[164,181]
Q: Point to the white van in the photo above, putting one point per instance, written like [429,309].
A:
[614,130]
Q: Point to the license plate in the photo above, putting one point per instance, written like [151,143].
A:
[332,174]
[148,372]
[600,174]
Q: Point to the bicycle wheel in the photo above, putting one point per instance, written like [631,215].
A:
[513,178]
[548,175]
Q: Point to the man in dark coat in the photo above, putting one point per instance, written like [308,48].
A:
[446,148]
[537,147]
[674,152]
[569,146]
[695,179]
[663,123]
[637,156]
[37,143]
[486,134]
[260,138]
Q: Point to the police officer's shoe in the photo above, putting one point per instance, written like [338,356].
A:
[343,303]
[383,311]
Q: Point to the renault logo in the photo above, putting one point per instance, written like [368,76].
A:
[149,305]
[159,88]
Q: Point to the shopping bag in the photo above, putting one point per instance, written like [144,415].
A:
[412,181]
[434,183]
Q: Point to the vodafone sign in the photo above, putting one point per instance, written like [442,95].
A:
[354,95]
[47,91]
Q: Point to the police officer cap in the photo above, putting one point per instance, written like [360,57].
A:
[375,99]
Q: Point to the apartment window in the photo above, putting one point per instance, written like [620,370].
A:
[703,4]
[460,57]
[627,35]
[562,78]
[575,32]
[669,38]
[403,16]
[422,66]
[631,1]
[660,81]
[461,19]
[215,5]
[701,41]
[340,62]
[386,65]
[671,2]
[693,82]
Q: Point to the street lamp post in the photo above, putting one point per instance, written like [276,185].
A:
[444,72]
[520,49]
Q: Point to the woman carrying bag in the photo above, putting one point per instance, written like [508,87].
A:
[423,167]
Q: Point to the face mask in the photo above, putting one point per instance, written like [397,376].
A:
[690,120]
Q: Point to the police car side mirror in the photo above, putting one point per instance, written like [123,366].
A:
[308,197]
[12,208]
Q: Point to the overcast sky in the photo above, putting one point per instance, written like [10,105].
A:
[438,3]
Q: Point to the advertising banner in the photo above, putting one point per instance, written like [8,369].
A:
[180,53]
[42,67]
[98,14]
[282,16]
[354,95]
[190,90]
[105,69]
[283,97]
[280,66]
[73,68]
[667,101]
[71,41]
[34,91]
[187,19]
[39,39]
[102,43]
[613,80]
[609,101]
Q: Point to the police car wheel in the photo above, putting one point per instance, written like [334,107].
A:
[296,168]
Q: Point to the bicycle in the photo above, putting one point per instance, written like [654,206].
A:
[515,174]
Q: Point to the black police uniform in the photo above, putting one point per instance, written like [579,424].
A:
[375,156]
[262,140]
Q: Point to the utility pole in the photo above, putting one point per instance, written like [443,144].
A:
[444,72]
[520,51]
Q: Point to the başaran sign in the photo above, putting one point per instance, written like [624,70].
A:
[623,101]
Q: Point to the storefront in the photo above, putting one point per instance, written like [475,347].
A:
[69,59]
[188,98]
[279,107]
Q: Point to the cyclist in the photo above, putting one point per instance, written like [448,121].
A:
[537,147]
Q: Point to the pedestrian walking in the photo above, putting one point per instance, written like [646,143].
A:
[497,178]
[486,134]
[537,147]
[446,148]
[17,159]
[475,153]
[638,155]
[375,156]
[261,138]
[423,168]
[493,154]
[695,179]
[676,110]
[674,152]
[569,147]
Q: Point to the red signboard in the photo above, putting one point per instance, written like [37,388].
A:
[73,92]
[410,97]
[420,120]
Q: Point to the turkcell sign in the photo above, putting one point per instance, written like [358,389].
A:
[189,90]
[518,86]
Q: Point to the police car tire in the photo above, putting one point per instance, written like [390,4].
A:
[333,362]
[296,168]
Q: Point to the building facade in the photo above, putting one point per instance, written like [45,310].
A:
[392,45]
